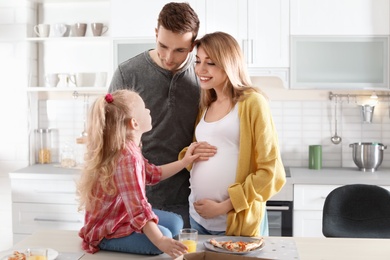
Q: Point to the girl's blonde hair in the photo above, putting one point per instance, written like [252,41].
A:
[107,131]
[226,53]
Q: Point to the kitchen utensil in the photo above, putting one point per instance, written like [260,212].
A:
[335,139]
[84,133]
[367,156]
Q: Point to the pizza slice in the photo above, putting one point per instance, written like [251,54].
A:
[238,246]
[17,256]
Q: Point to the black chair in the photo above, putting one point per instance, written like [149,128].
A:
[357,211]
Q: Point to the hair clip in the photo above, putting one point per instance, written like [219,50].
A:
[109,98]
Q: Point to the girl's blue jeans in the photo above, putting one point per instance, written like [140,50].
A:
[138,243]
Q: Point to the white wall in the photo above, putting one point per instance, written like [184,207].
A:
[15,17]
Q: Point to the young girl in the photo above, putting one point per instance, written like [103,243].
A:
[118,216]
[229,191]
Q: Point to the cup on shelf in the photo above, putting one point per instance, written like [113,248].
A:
[58,30]
[66,80]
[98,29]
[100,79]
[79,29]
[84,79]
[42,30]
[51,80]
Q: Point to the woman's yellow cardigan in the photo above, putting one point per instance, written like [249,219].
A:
[260,172]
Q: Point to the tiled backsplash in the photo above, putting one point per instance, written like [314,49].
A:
[299,124]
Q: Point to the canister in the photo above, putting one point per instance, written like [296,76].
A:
[43,146]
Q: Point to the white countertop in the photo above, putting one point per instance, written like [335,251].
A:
[339,176]
[45,171]
[308,248]
[325,176]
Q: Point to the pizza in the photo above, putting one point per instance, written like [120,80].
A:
[238,246]
[17,256]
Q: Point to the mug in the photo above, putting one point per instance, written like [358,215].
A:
[65,80]
[79,29]
[51,80]
[58,30]
[84,79]
[100,79]
[42,30]
[315,157]
[98,29]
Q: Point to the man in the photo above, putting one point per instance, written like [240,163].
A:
[166,80]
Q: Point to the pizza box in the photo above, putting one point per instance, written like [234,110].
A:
[208,255]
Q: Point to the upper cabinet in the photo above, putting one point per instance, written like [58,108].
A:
[340,17]
[260,26]
[138,19]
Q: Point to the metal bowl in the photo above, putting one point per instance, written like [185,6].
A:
[367,156]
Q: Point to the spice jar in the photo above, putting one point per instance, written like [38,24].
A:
[43,146]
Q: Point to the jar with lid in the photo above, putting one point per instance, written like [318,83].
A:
[43,146]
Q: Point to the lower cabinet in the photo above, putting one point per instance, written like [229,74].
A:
[308,205]
[42,202]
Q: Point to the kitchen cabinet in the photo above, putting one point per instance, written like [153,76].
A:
[260,26]
[340,17]
[138,19]
[44,197]
[308,205]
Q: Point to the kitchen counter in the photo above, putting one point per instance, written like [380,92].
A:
[67,243]
[45,171]
[339,176]
[298,175]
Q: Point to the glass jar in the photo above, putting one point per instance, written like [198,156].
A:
[67,157]
[43,146]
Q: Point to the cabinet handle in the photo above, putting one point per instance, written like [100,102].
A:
[251,51]
[247,49]
[277,207]
[56,220]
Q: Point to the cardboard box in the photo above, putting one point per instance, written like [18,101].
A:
[207,255]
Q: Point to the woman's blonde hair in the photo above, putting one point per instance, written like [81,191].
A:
[226,53]
[107,131]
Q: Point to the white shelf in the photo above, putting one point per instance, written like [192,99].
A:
[69,39]
[69,89]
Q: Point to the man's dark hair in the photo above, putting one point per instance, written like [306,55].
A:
[179,18]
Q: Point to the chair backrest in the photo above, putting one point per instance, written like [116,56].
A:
[357,211]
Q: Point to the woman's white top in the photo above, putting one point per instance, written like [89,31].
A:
[211,179]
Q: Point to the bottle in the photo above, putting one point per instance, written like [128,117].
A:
[43,146]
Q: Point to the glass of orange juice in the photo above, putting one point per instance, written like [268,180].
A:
[36,254]
[189,237]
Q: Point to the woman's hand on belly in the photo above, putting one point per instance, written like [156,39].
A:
[210,209]
[205,150]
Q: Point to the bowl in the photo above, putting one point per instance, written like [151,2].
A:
[367,156]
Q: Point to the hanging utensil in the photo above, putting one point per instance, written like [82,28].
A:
[335,139]
[84,133]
